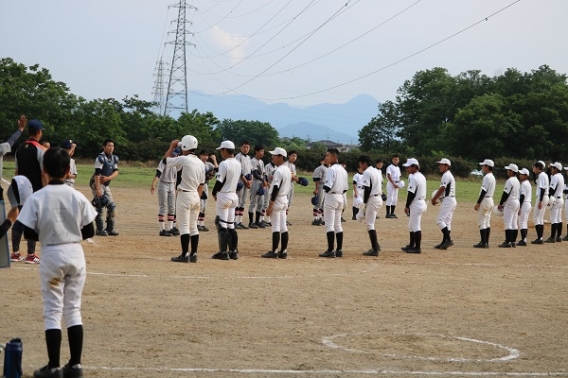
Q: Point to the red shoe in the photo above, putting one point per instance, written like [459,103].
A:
[16,257]
[32,259]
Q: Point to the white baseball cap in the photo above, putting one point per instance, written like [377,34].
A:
[411,161]
[512,167]
[557,165]
[444,161]
[487,162]
[226,144]
[19,190]
[524,171]
[279,151]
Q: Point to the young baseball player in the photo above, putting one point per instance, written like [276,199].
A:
[70,147]
[525,203]
[371,201]
[60,217]
[393,177]
[228,177]
[565,238]
[510,205]
[447,195]
[189,194]
[484,205]
[291,163]
[319,180]
[415,204]
[335,186]
[258,188]
[106,169]
[557,202]
[278,204]
[246,177]
[357,192]
[542,184]
[268,175]
[165,178]
[211,168]
[6,147]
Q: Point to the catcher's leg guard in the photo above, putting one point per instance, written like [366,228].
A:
[111,211]
[233,240]
[99,219]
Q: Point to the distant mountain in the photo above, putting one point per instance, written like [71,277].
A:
[345,118]
[314,133]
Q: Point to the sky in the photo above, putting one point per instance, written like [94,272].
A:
[300,52]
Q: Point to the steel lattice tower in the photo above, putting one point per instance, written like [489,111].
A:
[159,87]
[176,94]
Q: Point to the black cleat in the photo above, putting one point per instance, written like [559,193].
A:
[537,241]
[371,252]
[253,225]
[174,231]
[193,257]
[413,250]
[283,255]
[261,225]
[224,255]
[329,254]
[234,255]
[165,233]
[505,245]
[522,243]
[550,240]
[181,258]
[72,372]
[481,245]
[339,253]
[270,255]
[405,248]
[559,239]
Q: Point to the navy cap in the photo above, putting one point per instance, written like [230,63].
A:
[35,125]
[67,143]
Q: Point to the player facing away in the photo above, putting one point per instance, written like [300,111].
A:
[335,186]
[291,163]
[484,205]
[165,178]
[211,168]
[510,205]
[319,180]
[542,184]
[393,178]
[106,169]
[357,192]
[268,175]
[279,190]
[525,195]
[557,202]
[246,177]
[258,188]
[60,217]
[565,190]
[372,202]
[189,193]
[446,193]
[224,193]
[415,204]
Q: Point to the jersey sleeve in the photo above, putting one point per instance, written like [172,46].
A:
[412,185]
[28,215]
[330,178]
[366,179]
[88,212]
[222,172]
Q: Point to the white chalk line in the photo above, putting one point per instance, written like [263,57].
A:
[513,353]
[336,372]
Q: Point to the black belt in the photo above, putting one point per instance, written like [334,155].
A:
[185,191]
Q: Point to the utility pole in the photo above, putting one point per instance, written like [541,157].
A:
[159,87]
[176,94]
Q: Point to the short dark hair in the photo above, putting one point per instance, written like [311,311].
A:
[395,155]
[378,161]
[230,151]
[56,162]
[539,165]
[333,151]
[365,159]
[107,141]
[245,142]
[203,151]
[342,162]
[258,147]
[293,152]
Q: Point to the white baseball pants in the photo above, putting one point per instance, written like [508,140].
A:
[511,214]
[225,209]
[203,202]
[417,208]
[446,213]
[538,216]
[333,207]
[256,201]
[392,194]
[278,217]
[187,205]
[166,198]
[484,213]
[556,210]
[524,217]
[374,204]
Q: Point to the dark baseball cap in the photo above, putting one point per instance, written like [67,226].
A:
[35,125]
[67,143]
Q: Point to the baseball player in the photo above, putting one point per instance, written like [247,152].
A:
[211,168]
[335,186]
[246,178]
[258,188]
[70,147]
[291,163]
[268,174]
[106,169]
[525,204]
[415,204]
[542,184]
[60,217]
[165,178]
[484,205]
[565,238]
[319,180]
[557,202]
[510,205]
[371,201]
[393,177]
[189,194]
[6,147]
[279,190]
[357,191]
[447,195]
[228,177]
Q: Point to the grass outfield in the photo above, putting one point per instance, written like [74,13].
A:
[137,175]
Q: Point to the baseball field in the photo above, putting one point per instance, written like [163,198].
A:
[462,312]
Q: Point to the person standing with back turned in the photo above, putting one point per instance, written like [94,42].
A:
[484,205]
[415,205]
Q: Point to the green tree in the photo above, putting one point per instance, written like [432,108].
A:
[382,133]
[255,132]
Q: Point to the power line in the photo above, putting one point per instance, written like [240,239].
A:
[394,63]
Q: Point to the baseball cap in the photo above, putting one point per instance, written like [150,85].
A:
[5,148]
[19,190]
[226,144]
[512,167]
[411,161]
[35,125]
[444,161]
[557,165]
[524,171]
[279,151]
[176,151]
[487,162]
[67,143]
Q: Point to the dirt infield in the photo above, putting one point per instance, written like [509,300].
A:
[460,312]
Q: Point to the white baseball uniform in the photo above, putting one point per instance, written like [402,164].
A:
[392,191]
[292,168]
[73,171]
[246,169]
[227,200]
[336,183]
[372,180]
[256,200]
[417,185]
[319,176]
[486,204]
[167,176]
[557,184]
[542,185]
[282,179]
[526,194]
[511,205]
[448,200]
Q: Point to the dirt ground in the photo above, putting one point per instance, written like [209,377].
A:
[460,312]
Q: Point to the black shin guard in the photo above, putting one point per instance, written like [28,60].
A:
[233,240]
[223,236]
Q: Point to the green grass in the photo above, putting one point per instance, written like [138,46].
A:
[134,175]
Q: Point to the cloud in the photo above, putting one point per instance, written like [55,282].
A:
[229,45]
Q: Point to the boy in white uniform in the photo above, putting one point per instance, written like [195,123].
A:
[72,175]
[415,205]
[542,184]
[510,205]
[165,178]
[279,190]
[371,201]
[555,195]
[525,202]
[447,193]
[393,178]
[60,217]
[319,180]
[484,205]
[357,192]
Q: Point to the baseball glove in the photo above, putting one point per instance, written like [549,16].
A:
[384,197]
[239,185]
[315,200]
[260,191]
[248,177]
[203,196]
[101,201]
[303,181]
